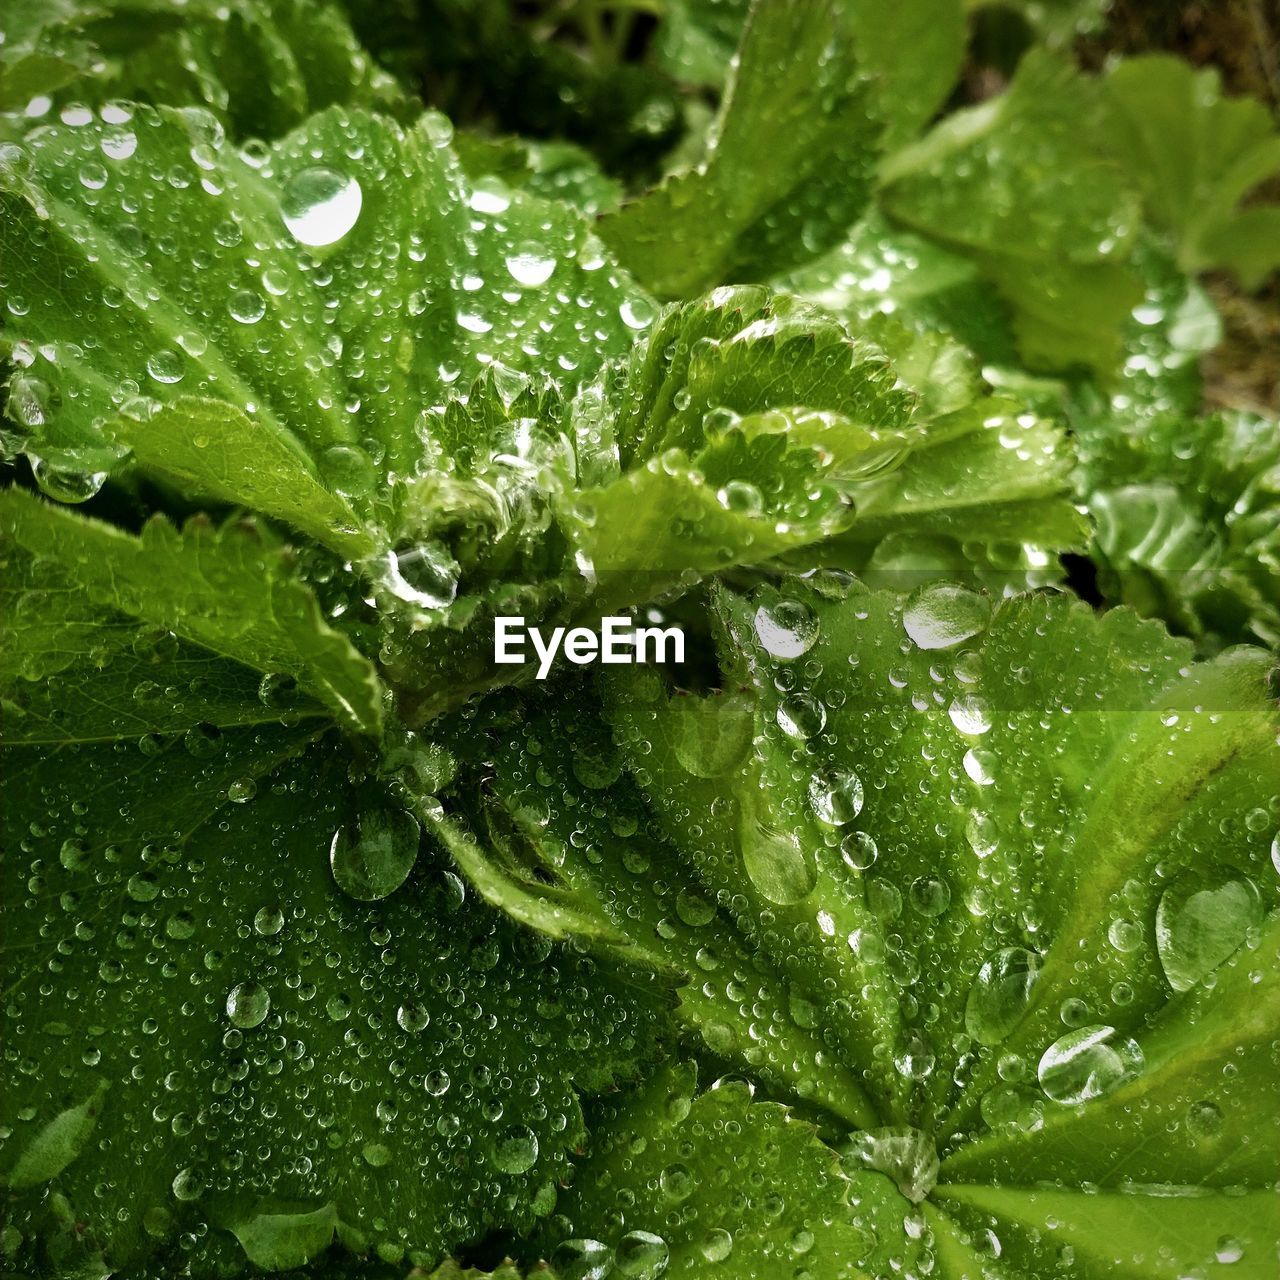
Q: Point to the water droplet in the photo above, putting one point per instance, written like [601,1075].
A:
[166,366]
[1001,994]
[641,1255]
[859,850]
[970,714]
[247,307]
[268,922]
[906,1155]
[582,1260]
[320,205]
[637,313]
[413,1016]
[516,1149]
[836,796]
[424,575]
[242,790]
[741,497]
[1087,1063]
[248,1005]
[801,716]
[676,1182]
[942,615]
[786,629]
[530,265]
[1228,1250]
[929,895]
[1204,1121]
[775,861]
[1201,921]
[372,856]
[716,1245]
[490,195]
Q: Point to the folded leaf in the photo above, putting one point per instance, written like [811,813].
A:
[787,170]
[1187,515]
[678,1184]
[330,289]
[228,591]
[912,54]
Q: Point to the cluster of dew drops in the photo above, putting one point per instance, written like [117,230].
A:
[1200,921]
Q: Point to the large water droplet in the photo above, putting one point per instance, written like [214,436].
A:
[248,1005]
[836,796]
[1201,921]
[641,1255]
[582,1260]
[786,629]
[1088,1062]
[372,856]
[320,205]
[1001,994]
[942,615]
[516,1149]
[775,861]
[906,1155]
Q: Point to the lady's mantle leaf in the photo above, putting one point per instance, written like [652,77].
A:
[279,1058]
[787,171]
[1023,185]
[230,591]
[1011,869]
[684,1186]
[260,65]
[1188,519]
[1195,156]
[330,289]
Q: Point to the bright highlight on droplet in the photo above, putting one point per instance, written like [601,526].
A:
[320,206]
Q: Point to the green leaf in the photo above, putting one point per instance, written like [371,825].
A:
[1187,515]
[912,54]
[676,1183]
[229,591]
[279,1056]
[261,65]
[210,449]
[968,844]
[788,168]
[1196,155]
[56,1145]
[1024,185]
[550,170]
[313,287]
[1058,23]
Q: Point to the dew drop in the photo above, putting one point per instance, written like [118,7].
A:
[786,629]
[371,857]
[1086,1063]
[248,1005]
[1001,994]
[836,796]
[516,1149]
[320,205]
[942,615]
[1201,921]
[530,265]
